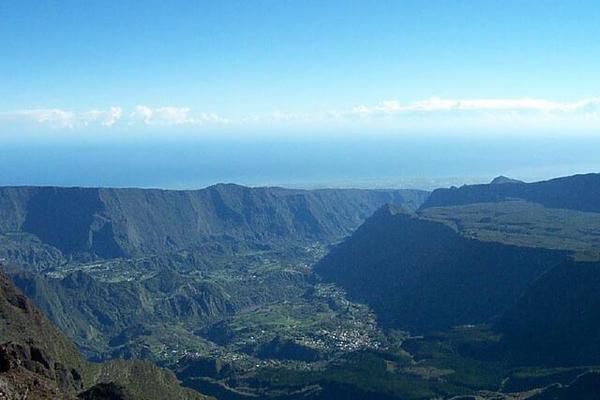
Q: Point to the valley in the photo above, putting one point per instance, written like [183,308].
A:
[423,300]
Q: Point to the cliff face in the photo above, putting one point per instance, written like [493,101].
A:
[523,257]
[578,192]
[126,222]
[422,275]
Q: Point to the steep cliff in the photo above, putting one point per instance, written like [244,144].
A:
[577,192]
[422,274]
[106,223]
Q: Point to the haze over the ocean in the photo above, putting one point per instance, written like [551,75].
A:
[378,162]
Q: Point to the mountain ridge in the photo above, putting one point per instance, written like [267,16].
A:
[575,192]
[88,223]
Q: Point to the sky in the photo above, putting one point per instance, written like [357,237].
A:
[113,74]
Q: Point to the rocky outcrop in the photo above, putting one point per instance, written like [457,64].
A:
[37,362]
[30,369]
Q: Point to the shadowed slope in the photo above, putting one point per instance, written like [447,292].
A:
[422,275]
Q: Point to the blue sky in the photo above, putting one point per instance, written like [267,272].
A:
[181,94]
[202,67]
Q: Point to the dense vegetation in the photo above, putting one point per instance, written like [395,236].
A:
[249,293]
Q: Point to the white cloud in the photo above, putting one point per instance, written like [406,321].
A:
[438,110]
[173,115]
[50,116]
[57,118]
[516,115]
[434,113]
[105,118]
[113,115]
[170,115]
[434,104]
[67,119]
[142,113]
[211,118]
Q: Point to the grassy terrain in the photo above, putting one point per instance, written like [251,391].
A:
[525,224]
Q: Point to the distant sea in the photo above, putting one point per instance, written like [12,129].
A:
[362,162]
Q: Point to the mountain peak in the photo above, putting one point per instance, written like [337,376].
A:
[503,179]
